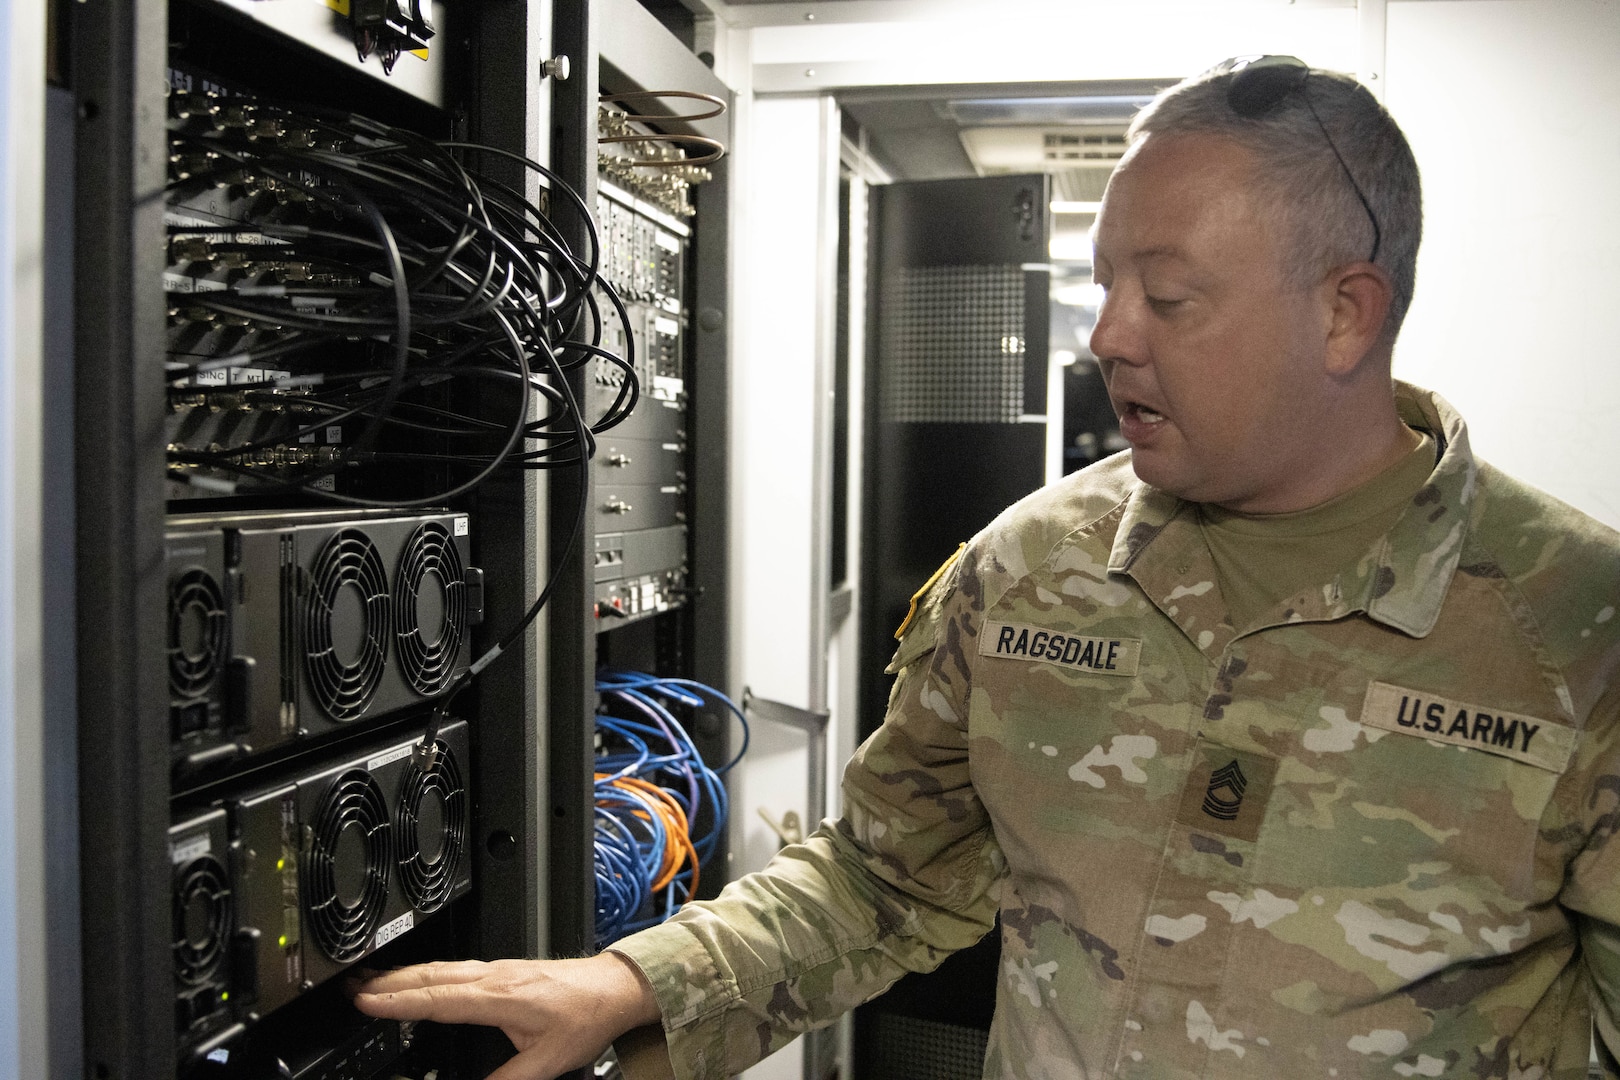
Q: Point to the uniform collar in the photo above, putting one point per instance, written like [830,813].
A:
[1402,583]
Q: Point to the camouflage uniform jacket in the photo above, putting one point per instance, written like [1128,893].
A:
[1371,839]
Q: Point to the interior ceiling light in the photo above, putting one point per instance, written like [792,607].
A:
[1075,248]
[1097,109]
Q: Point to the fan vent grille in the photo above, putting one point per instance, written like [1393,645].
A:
[430,570]
[342,919]
[202,920]
[432,823]
[344,685]
[198,633]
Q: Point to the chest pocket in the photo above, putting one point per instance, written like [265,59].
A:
[1079,728]
[1376,807]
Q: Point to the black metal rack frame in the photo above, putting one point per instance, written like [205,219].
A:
[532,713]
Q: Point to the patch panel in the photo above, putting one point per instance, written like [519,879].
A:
[642,469]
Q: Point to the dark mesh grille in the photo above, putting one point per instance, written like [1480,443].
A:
[951,345]
[906,1049]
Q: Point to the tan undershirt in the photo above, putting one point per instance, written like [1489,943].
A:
[1264,559]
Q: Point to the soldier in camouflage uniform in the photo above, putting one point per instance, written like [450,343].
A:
[1284,745]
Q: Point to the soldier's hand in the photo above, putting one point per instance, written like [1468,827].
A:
[560,1014]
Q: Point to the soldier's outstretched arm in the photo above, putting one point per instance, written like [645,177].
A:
[909,874]
[560,1014]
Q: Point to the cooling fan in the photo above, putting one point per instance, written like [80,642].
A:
[430,608]
[204,922]
[346,622]
[199,633]
[432,825]
[345,871]
[343,858]
[316,621]
[205,676]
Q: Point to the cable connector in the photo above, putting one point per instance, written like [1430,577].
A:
[425,754]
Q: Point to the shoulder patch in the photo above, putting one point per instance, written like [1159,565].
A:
[917,597]
[1533,741]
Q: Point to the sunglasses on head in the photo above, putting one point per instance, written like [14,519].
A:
[1258,85]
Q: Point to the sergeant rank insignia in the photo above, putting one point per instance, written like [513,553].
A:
[1226,794]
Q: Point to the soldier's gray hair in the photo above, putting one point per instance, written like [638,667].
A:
[1323,222]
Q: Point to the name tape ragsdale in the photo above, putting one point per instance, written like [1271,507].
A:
[1098,655]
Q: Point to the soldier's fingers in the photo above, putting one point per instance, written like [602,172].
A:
[538,1062]
[447,1003]
[418,976]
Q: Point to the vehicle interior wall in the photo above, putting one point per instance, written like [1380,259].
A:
[25,1021]
[1511,107]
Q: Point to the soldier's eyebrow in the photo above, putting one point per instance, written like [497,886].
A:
[1155,253]
[1158,252]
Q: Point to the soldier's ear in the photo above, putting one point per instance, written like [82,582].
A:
[1359,295]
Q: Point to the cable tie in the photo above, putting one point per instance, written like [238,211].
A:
[261,290]
[380,279]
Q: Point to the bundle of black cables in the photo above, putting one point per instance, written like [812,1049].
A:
[382,265]
[420,271]
[659,806]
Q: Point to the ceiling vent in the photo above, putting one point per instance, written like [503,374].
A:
[999,150]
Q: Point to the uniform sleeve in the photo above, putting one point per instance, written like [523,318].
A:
[1592,889]
[907,875]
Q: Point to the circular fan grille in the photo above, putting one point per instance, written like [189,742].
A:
[430,602]
[346,623]
[432,823]
[197,632]
[345,872]
[202,920]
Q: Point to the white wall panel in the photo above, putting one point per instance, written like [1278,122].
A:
[22,828]
[774,384]
[1513,110]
